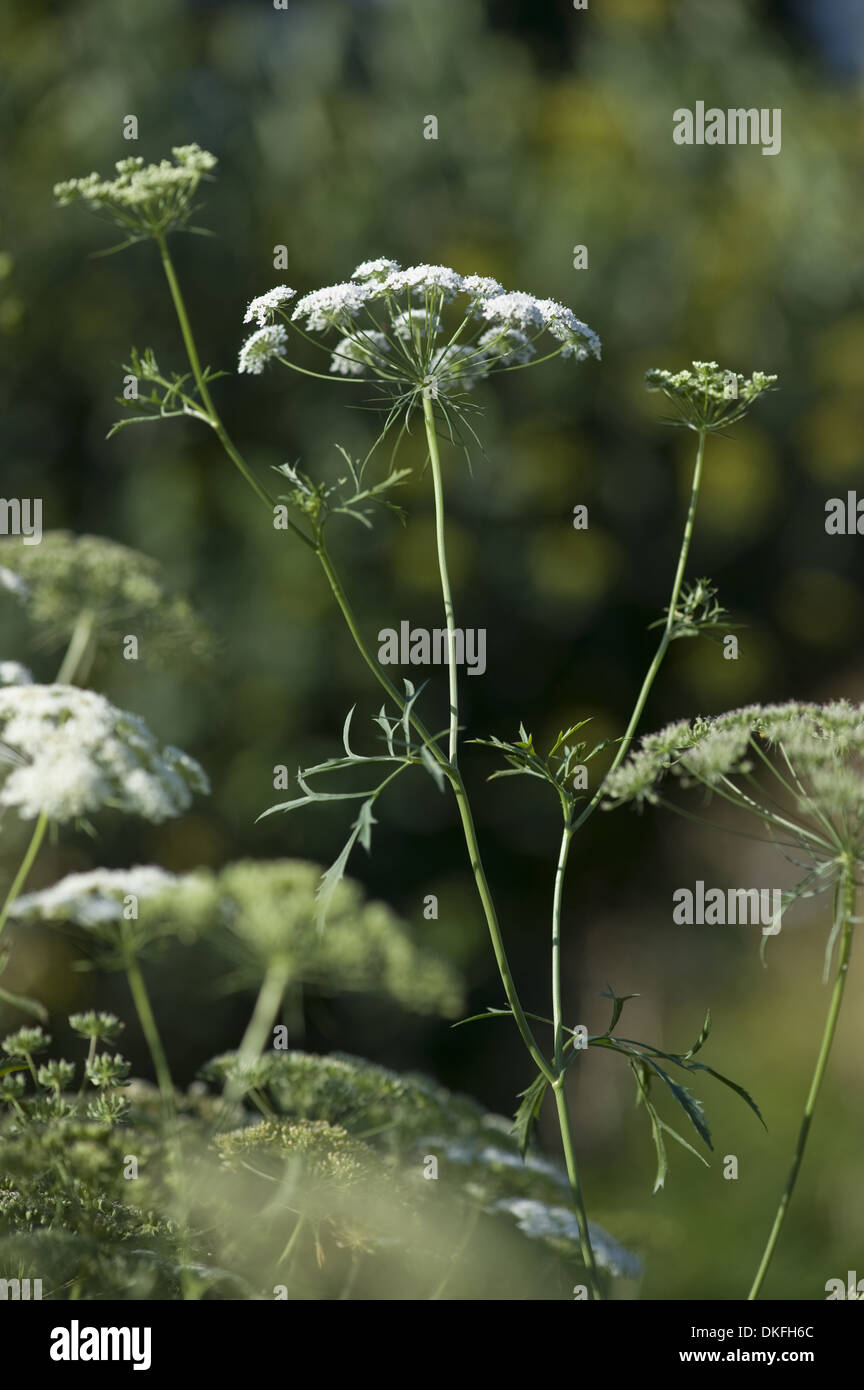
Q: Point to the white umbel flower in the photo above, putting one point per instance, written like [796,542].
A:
[375,270]
[515,310]
[261,309]
[79,754]
[94,898]
[333,306]
[578,339]
[420,279]
[261,348]
[481,286]
[524,313]
[402,327]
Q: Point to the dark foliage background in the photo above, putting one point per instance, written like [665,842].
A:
[554,130]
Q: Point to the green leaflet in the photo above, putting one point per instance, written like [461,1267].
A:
[527,1114]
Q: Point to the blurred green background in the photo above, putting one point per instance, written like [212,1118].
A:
[554,131]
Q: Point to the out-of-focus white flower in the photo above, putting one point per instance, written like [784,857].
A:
[354,356]
[261,309]
[94,898]
[540,1221]
[13,673]
[416,322]
[13,583]
[261,348]
[506,346]
[81,754]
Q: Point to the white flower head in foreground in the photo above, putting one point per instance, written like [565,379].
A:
[13,673]
[334,306]
[79,754]
[424,330]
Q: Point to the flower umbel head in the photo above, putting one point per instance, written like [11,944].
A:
[77,753]
[262,347]
[260,913]
[119,588]
[708,397]
[422,331]
[145,200]
[796,769]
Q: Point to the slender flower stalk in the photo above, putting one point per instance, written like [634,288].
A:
[666,638]
[440,543]
[24,867]
[213,419]
[156,1048]
[571,826]
[556,1073]
[149,1028]
[846,892]
[259,1028]
[79,652]
[566,1127]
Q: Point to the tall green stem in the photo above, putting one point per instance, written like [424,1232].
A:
[846,906]
[470,833]
[438,487]
[565,1126]
[557,1011]
[564,1121]
[344,603]
[24,868]
[665,638]
[455,778]
[554,1075]
[570,828]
